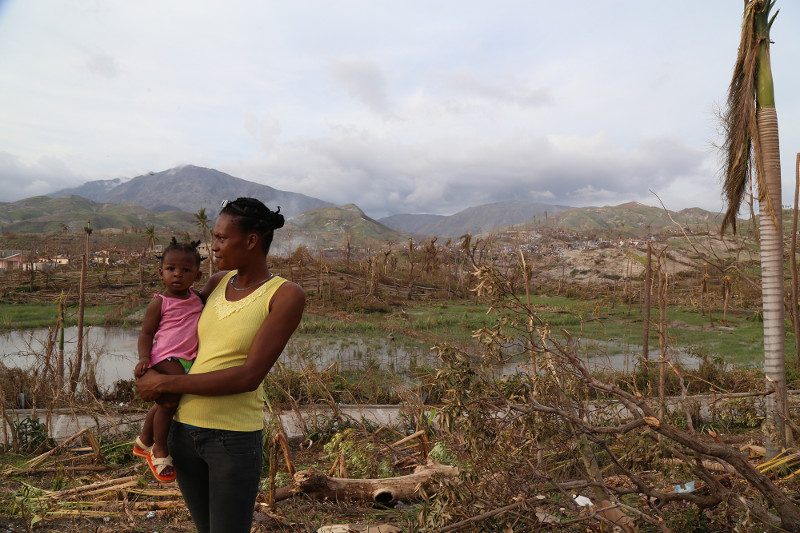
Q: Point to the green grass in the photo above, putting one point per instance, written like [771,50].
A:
[419,325]
[739,342]
[38,315]
[432,323]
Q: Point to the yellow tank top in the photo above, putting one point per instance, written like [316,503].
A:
[225,332]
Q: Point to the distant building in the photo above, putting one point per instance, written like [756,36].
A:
[10,259]
[43,264]
[59,260]
[110,256]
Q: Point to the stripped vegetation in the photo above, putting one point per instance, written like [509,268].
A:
[518,395]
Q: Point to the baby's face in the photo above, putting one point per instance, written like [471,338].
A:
[179,271]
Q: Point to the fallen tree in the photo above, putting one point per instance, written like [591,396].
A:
[384,491]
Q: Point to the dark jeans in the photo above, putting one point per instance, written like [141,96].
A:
[218,474]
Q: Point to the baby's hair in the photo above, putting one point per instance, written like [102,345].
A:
[253,216]
[190,247]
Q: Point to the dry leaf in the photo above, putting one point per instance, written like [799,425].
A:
[652,421]
[754,451]
[546,518]
[616,517]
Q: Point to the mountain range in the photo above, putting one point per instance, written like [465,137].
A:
[41,214]
[473,220]
[189,188]
[169,199]
[633,218]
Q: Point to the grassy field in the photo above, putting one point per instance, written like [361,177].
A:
[42,315]
[420,325]
[363,343]
[739,342]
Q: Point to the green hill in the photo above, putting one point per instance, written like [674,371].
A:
[42,214]
[631,219]
[328,227]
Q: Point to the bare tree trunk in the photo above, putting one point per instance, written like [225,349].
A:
[76,369]
[662,333]
[648,283]
[793,262]
[726,297]
[60,360]
[410,268]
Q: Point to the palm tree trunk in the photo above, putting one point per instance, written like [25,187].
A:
[770,229]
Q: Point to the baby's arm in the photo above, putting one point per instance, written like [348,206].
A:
[152,317]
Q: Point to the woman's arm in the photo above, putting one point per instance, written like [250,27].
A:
[286,310]
[210,285]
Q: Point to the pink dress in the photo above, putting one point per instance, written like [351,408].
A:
[177,331]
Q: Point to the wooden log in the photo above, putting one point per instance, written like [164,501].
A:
[384,491]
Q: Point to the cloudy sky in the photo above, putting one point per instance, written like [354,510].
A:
[397,106]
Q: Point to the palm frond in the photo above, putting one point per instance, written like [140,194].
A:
[739,121]
[741,148]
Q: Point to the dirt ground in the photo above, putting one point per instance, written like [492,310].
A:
[112,498]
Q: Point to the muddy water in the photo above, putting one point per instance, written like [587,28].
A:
[113,352]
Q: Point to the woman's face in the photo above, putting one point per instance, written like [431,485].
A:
[230,243]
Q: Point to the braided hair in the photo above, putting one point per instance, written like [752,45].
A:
[252,216]
[189,247]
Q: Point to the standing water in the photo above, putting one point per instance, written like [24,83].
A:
[113,352]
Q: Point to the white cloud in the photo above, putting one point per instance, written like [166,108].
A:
[263,130]
[541,195]
[364,82]
[412,107]
[23,179]
[503,91]
[103,65]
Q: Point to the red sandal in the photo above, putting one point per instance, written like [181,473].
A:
[158,465]
[140,449]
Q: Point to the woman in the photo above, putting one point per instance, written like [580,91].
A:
[216,436]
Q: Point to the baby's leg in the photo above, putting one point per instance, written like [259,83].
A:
[146,435]
[166,406]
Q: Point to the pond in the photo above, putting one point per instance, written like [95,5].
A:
[113,352]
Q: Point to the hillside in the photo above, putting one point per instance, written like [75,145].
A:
[631,219]
[42,214]
[331,227]
[411,223]
[190,188]
[477,219]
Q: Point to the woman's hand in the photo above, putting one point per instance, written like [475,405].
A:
[147,386]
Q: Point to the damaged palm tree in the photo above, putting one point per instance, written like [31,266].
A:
[751,152]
